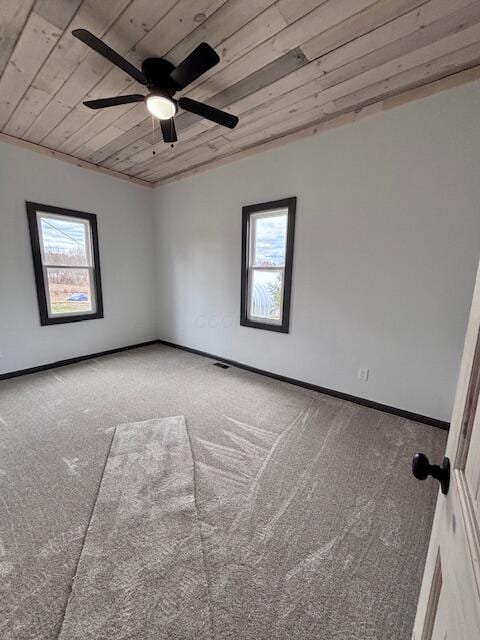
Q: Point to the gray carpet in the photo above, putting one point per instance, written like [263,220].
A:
[141,572]
[312,526]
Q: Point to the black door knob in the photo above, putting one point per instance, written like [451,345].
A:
[421,469]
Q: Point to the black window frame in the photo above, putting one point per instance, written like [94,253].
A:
[291,205]
[32,209]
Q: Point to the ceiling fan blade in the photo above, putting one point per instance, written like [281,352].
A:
[101,103]
[169,131]
[210,113]
[195,64]
[104,50]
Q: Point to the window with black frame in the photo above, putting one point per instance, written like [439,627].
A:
[66,262]
[267,256]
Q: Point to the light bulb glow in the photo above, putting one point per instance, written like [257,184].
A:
[160,107]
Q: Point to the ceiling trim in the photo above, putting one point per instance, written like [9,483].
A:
[417,93]
[83,164]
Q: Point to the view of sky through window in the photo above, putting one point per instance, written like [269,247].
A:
[270,240]
[64,241]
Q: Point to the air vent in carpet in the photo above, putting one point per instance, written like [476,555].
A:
[221,365]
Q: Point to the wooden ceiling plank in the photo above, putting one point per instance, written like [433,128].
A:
[215,29]
[57,12]
[95,76]
[412,72]
[294,35]
[358,24]
[176,23]
[127,164]
[401,82]
[416,20]
[335,12]
[262,30]
[424,35]
[124,166]
[422,26]
[451,63]
[280,68]
[69,145]
[441,67]
[144,157]
[435,57]
[33,46]
[313,71]
[256,118]
[325,13]
[331,80]
[294,10]
[198,134]
[78,126]
[283,66]
[266,93]
[470,75]
[129,138]
[332,18]
[131,118]
[227,19]
[13,15]
[140,145]
[181,22]
[263,27]
[60,64]
[145,154]
[97,142]
[110,134]
[124,124]
[219,26]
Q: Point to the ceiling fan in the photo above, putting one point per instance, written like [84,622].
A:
[163,80]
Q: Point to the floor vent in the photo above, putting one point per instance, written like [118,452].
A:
[221,365]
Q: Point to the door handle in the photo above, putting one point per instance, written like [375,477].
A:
[421,469]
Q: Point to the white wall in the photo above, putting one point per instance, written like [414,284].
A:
[387,244]
[125,226]
[386,248]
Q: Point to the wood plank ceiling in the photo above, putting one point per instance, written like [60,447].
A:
[286,65]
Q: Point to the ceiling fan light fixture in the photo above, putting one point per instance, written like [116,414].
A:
[161,107]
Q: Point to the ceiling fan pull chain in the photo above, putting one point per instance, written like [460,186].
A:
[153,136]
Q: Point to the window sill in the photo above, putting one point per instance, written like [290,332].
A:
[267,326]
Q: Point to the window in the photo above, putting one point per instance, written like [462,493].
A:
[267,255]
[66,263]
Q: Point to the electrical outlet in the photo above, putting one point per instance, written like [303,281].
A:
[363,374]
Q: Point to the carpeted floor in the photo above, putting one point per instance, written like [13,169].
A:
[311,525]
[141,573]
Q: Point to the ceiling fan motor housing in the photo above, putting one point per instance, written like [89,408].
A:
[157,72]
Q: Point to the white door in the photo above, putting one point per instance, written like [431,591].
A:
[449,603]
